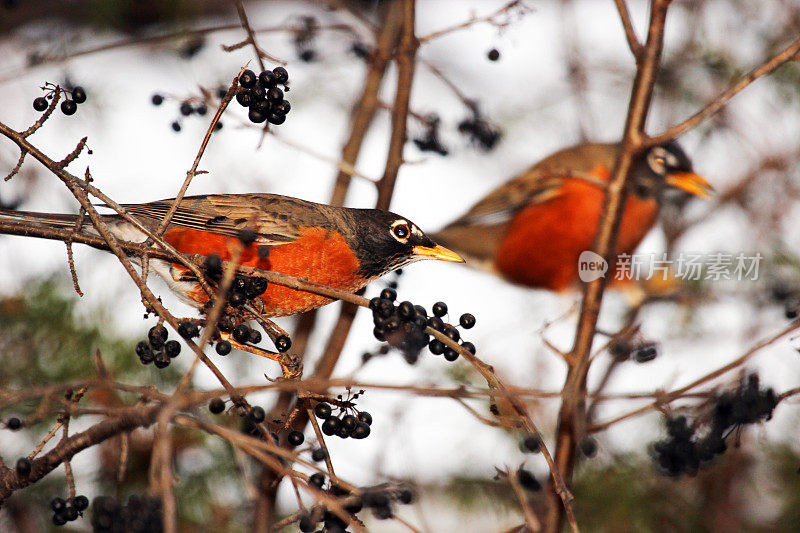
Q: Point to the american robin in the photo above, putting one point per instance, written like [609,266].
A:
[532,229]
[339,247]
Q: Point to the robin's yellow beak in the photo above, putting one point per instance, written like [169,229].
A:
[691,183]
[437,252]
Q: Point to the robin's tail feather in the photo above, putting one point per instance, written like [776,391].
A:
[30,218]
[19,220]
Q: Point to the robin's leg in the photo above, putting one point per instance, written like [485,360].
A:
[291,365]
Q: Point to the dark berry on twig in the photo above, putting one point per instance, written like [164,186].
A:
[157,336]
[257,414]
[275,95]
[283,343]
[528,481]
[436,347]
[322,410]
[330,426]
[295,438]
[450,354]
[216,405]
[68,107]
[306,524]
[40,104]
[468,346]
[241,333]
[23,466]
[157,99]
[361,431]
[531,443]
[389,294]
[186,109]
[13,423]
[176,126]
[267,79]
[349,423]
[318,454]
[58,505]
[317,479]
[223,347]
[172,348]
[588,447]
[78,95]
[161,360]
[281,75]
[493,54]
[188,329]
[256,117]
[467,321]
[247,78]
[81,503]
[365,417]
[439,309]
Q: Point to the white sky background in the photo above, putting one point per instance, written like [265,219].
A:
[137,158]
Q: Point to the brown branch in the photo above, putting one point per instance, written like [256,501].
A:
[490,18]
[11,481]
[627,25]
[571,415]
[787,54]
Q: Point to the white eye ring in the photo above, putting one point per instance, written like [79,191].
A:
[657,159]
[401,230]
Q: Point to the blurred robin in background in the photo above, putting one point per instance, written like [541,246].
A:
[532,229]
[339,247]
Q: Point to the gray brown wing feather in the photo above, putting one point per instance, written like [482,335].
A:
[274,218]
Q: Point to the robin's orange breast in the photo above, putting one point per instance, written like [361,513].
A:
[544,240]
[319,255]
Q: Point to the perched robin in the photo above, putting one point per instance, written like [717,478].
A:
[339,247]
[532,229]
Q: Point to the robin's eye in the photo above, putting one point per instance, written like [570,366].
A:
[401,231]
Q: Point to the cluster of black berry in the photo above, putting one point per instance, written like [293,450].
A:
[73,97]
[160,351]
[430,141]
[641,352]
[140,514]
[403,326]
[68,510]
[349,422]
[684,451]
[479,130]
[243,288]
[186,108]
[263,97]
[378,499]
[787,293]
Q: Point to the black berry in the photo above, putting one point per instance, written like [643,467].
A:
[216,406]
[247,78]
[172,348]
[257,414]
[365,417]
[318,454]
[186,109]
[81,503]
[528,480]
[361,431]
[281,75]
[68,107]
[330,425]
[223,347]
[241,333]
[23,466]
[467,321]
[317,479]
[13,423]
[493,54]
[157,336]
[188,329]
[322,410]
[439,309]
[296,438]
[531,443]
[267,79]
[176,126]
[58,505]
[40,104]
[389,294]
[283,343]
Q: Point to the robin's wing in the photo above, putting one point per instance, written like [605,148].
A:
[226,215]
[503,203]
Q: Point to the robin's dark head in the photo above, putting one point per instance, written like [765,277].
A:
[667,166]
[384,241]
